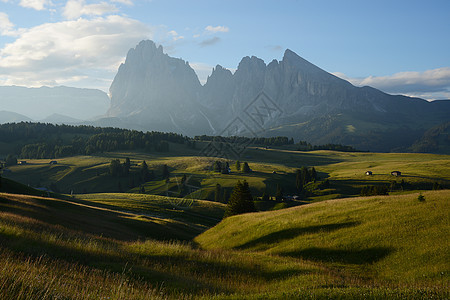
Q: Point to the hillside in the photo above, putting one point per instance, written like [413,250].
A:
[345,172]
[92,249]
[395,239]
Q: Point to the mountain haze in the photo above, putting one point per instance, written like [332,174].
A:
[48,102]
[290,97]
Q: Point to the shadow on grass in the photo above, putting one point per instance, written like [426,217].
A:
[355,257]
[286,234]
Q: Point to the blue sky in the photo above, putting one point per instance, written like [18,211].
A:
[401,47]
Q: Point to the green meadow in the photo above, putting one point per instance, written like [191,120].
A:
[106,237]
[345,172]
[368,247]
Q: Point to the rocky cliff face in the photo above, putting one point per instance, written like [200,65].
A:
[155,90]
[291,97]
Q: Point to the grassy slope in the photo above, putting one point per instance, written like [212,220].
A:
[388,238]
[57,249]
[344,170]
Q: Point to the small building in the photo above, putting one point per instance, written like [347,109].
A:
[53,162]
[22,162]
[368,173]
[396,173]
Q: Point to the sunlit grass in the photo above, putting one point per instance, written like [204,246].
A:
[253,256]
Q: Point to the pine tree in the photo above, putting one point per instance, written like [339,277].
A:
[305,175]
[313,174]
[115,168]
[145,174]
[218,193]
[238,165]
[246,168]
[279,194]
[165,172]
[241,200]
[126,166]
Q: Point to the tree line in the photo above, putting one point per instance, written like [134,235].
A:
[261,141]
[39,140]
[304,146]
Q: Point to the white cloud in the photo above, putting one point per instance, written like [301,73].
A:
[77,8]
[126,2]
[175,35]
[82,53]
[217,29]
[35,4]
[430,84]
[5,24]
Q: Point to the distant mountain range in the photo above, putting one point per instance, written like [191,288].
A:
[291,97]
[60,104]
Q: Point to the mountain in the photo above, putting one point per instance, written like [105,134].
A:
[157,92]
[435,140]
[291,97]
[39,103]
[12,117]
[60,119]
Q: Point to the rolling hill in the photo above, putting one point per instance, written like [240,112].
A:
[373,247]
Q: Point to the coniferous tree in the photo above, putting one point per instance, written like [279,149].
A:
[218,193]
[238,165]
[313,174]
[115,168]
[145,174]
[165,172]
[279,194]
[241,200]
[126,166]
[305,175]
[217,166]
[246,168]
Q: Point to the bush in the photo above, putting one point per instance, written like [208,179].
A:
[421,198]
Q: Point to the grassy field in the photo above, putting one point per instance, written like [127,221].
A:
[271,168]
[391,239]
[103,246]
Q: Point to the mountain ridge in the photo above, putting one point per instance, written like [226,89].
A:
[159,92]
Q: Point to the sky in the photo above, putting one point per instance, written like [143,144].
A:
[397,46]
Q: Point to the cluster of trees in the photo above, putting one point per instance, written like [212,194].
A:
[241,200]
[260,141]
[221,194]
[304,146]
[244,167]
[52,141]
[221,167]
[303,176]
[373,190]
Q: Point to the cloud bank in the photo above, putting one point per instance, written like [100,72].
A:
[431,84]
[82,50]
